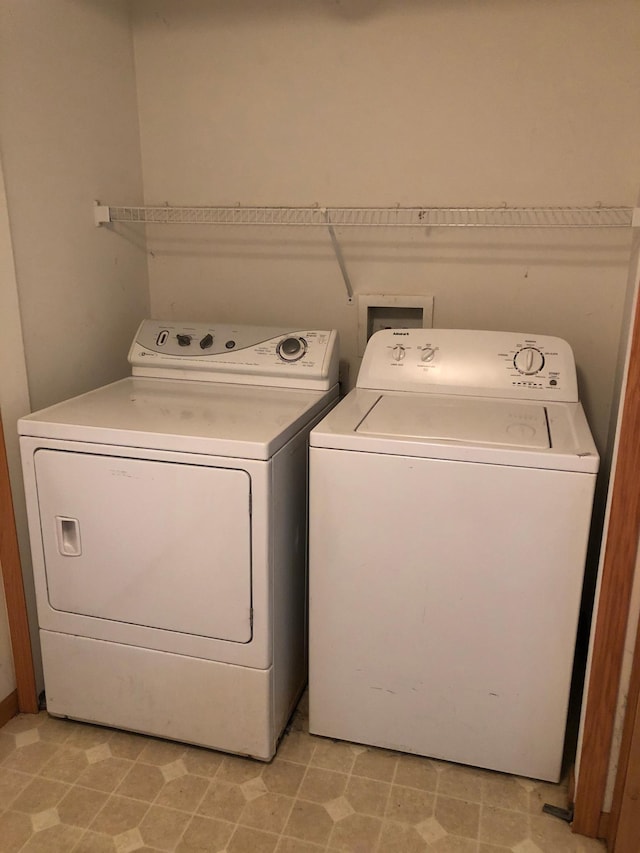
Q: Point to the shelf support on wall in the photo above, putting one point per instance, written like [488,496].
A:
[339,256]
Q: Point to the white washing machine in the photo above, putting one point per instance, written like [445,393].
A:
[168,523]
[450,503]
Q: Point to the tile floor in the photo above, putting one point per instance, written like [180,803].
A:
[67,787]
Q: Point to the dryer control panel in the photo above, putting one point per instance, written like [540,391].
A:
[473,363]
[248,355]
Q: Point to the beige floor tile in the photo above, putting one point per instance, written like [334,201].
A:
[39,795]
[297,747]
[30,758]
[401,838]
[80,806]
[553,836]
[161,752]
[127,744]
[333,755]
[85,736]
[452,844]
[53,729]
[375,764]
[355,833]
[309,822]
[105,775]
[295,845]
[162,827]
[55,839]
[368,796]
[202,762]
[502,826]
[66,765]
[268,812]
[184,793]
[7,745]
[15,830]
[464,783]
[93,842]
[409,805]
[205,835]
[321,786]
[413,771]
[142,782]
[506,792]
[22,723]
[247,840]
[103,791]
[223,800]
[235,769]
[11,784]
[118,815]
[545,792]
[458,817]
[283,777]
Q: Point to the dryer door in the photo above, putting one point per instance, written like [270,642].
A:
[161,544]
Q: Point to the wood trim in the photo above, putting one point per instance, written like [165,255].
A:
[604,824]
[14,592]
[625,814]
[8,707]
[627,831]
[613,607]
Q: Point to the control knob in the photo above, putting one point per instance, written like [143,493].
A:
[291,349]
[427,354]
[529,360]
[184,340]
[398,352]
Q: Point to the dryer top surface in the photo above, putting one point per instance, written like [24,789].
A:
[241,421]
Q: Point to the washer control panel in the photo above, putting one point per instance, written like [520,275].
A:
[259,355]
[474,363]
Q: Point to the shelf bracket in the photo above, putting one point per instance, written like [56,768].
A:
[339,256]
[101,214]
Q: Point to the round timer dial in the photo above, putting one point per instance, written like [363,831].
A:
[291,349]
[529,360]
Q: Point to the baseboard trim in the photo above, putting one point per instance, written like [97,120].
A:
[8,707]
[603,826]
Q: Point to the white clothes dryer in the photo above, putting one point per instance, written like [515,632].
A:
[450,502]
[168,523]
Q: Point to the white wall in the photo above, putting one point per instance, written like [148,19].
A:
[346,102]
[68,135]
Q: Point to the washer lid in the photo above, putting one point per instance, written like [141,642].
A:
[240,421]
[491,422]
[466,429]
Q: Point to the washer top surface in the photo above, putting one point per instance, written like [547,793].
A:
[479,421]
[492,397]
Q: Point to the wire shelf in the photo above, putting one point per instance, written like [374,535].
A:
[376,217]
